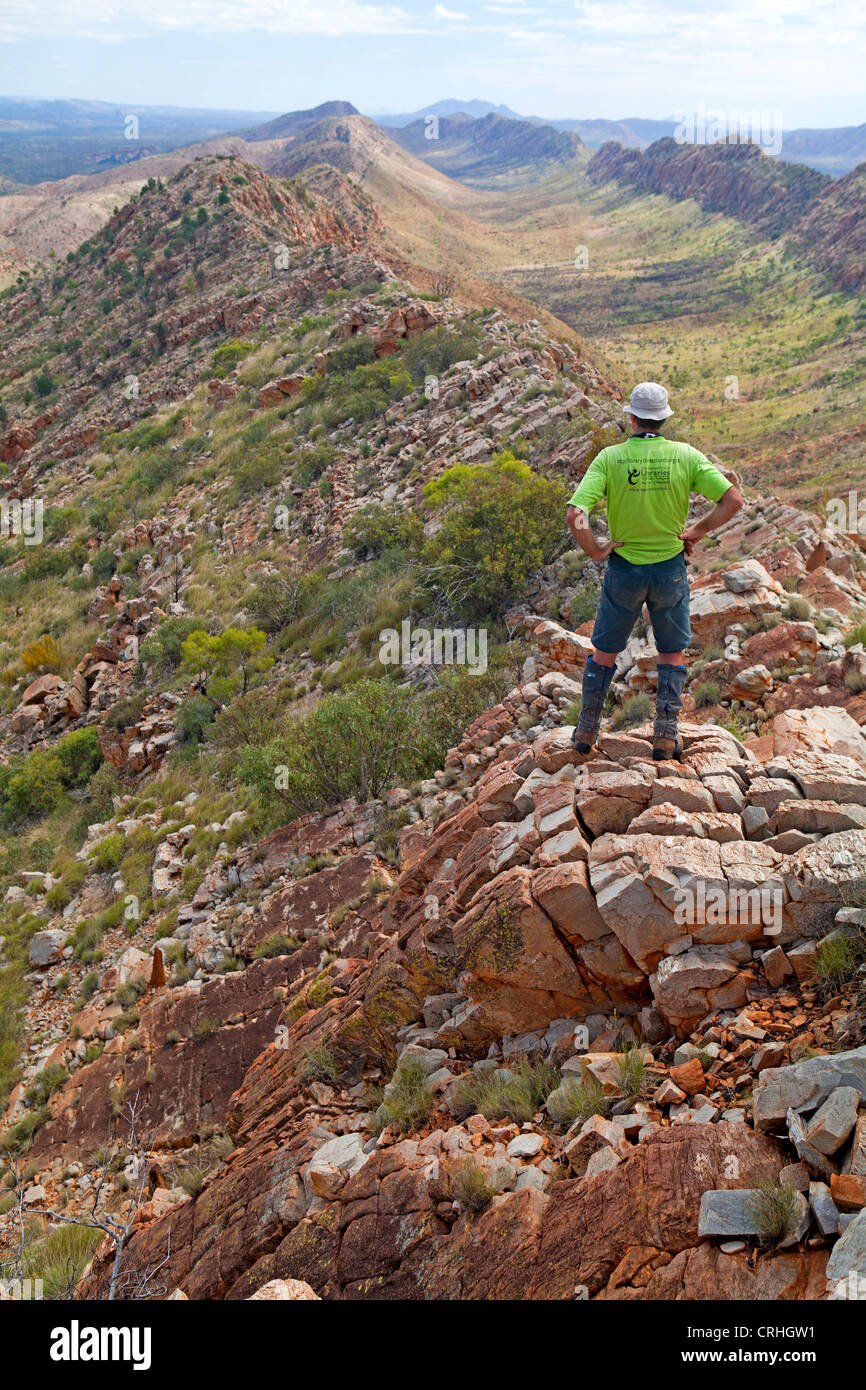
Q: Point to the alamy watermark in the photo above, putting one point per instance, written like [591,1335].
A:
[24,519]
[715,905]
[23,1290]
[714,126]
[848,513]
[438,646]
[852,1287]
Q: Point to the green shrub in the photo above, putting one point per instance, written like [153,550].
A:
[107,853]
[355,352]
[438,349]
[164,647]
[410,1099]
[375,529]
[318,1064]
[58,1257]
[516,1097]
[707,693]
[635,709]
[89,985]
[797,608]
[500,523]
[277,601]
[277,945]
[46,1082]
[79,756]
[772,1209]
[353,744]
[311,462]
[576,1100]
[228,355]
[839,961]
[125,713]
[471,1185]
[631,1071]
[583,603]
[194,718]
[386,830]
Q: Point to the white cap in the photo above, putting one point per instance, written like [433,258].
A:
[649,401]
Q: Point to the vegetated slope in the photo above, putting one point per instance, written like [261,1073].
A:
[204,396]
[489,151]
[763,354]
[736,179]
[832,232]
[765,360]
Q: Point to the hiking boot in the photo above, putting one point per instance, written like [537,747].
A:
[669,702]
[665,749]
[583,742]
[596,683]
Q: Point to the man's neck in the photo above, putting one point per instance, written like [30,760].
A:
[645,434]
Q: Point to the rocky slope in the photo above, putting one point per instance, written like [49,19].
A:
[821,215]
[555,906]
[540,918]
[490,150]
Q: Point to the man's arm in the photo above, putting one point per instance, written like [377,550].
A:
[728,506]
[578,524]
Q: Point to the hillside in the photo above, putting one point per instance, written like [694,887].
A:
[294,123]
[737,286]
[736,179]
[491,151]
[321,960]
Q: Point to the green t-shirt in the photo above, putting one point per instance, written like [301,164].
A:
[647,483]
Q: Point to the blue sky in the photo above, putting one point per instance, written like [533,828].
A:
[550,58]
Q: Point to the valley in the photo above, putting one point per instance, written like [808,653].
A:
[328,969]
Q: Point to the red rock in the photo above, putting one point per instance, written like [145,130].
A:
[848,1191]
[689,1076]
[39,690]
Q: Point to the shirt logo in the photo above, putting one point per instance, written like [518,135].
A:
[633,475]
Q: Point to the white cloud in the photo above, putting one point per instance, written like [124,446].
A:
[103,19]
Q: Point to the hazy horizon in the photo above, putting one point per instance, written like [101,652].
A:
[555,59]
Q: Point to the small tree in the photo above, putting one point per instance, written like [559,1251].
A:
[500,523]
[127,1280]
[352,744]
[215,661]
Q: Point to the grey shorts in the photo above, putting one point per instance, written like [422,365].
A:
[663,587]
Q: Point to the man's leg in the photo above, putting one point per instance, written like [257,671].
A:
[668,605]
[598,673]
[672,675]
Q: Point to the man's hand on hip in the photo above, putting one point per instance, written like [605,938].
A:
[691,539]
[602,551]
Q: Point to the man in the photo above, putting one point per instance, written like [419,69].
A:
[647,482]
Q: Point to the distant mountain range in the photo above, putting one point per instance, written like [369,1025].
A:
[832,151]
[44,139]
[476,141]
[449,107]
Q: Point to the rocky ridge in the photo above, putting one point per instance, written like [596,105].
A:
[556,893]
